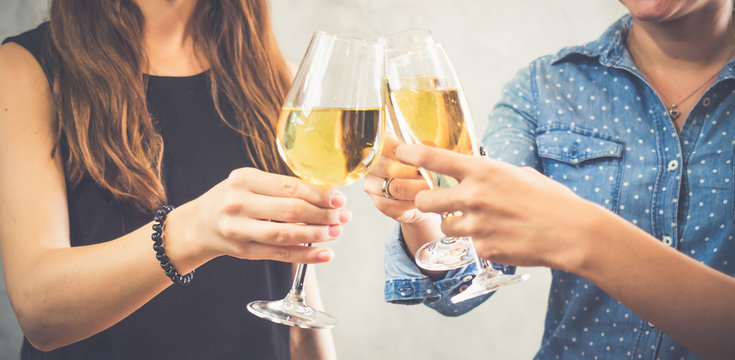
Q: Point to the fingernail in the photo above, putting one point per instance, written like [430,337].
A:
[324,255]
[344,216]
[337,199]
[334,230]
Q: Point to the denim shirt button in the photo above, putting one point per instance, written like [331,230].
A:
[467,278]
[673,165]
[651,324]
[406,291]
[667,240]
[705,102]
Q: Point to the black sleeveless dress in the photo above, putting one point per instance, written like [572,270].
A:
[207,319]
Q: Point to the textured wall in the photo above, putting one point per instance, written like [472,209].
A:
[487,41]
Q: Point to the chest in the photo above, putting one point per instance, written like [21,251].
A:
[609,138]
[200,150]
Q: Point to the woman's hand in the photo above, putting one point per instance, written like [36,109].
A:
[257,215]
[515,215]
[405,184]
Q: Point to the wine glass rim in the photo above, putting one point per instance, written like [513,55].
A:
[410,50]
[385,39]
[347,38]
[409,30]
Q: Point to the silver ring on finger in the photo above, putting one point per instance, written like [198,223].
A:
[385,187]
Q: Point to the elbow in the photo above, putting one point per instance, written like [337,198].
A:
[37,332]
[36,327]
[42,343]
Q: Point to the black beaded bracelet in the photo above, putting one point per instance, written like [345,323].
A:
[157,237]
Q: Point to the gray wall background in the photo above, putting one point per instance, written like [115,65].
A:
[488,41]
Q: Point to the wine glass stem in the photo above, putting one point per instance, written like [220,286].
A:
[484,265]
[297,288]
[447,239]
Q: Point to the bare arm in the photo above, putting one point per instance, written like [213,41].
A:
[580,237]
[62,294]
[312,344]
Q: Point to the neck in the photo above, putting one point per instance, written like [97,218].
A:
[166,41]
[699,39]
[681,56]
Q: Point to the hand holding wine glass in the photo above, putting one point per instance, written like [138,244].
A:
[329,133]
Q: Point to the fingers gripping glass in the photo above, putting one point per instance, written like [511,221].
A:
[426,105]
[329,133]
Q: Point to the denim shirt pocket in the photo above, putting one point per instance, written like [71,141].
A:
[588,162]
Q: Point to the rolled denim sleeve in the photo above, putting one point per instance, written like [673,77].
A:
[405,284]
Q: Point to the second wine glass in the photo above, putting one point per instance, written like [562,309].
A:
[428,106]
[422,109]
[330,133]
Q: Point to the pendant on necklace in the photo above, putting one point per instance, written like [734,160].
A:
[674,112]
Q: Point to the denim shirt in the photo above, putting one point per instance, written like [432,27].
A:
[587,118]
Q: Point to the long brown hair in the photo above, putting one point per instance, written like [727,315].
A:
[98,86]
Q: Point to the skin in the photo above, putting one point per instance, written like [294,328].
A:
[692,39]
[64,294]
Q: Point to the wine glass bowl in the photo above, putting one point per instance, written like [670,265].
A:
[329,133]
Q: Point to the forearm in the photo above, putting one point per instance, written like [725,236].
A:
[312,344]
[419,233]
[685,299]
[67,294]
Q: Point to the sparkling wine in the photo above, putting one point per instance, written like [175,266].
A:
[435,117]
[329,146]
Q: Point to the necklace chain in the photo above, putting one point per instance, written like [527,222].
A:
[673,110]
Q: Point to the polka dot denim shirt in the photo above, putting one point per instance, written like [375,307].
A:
[588,119]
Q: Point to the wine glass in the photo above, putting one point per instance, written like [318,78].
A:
[427,106]
[330,133]
[418,114]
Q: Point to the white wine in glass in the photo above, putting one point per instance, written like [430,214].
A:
[329,146]
[330,133]
[427,106]
[435,117]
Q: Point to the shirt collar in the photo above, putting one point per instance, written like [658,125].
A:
[609,48]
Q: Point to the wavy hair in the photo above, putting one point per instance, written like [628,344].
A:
[99,90]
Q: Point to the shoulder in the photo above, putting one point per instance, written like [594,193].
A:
[20,71]
[22,57]
[25,95]
[34,41]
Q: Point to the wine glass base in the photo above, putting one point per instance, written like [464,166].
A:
[486,282]
[292,314]
[445,254]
